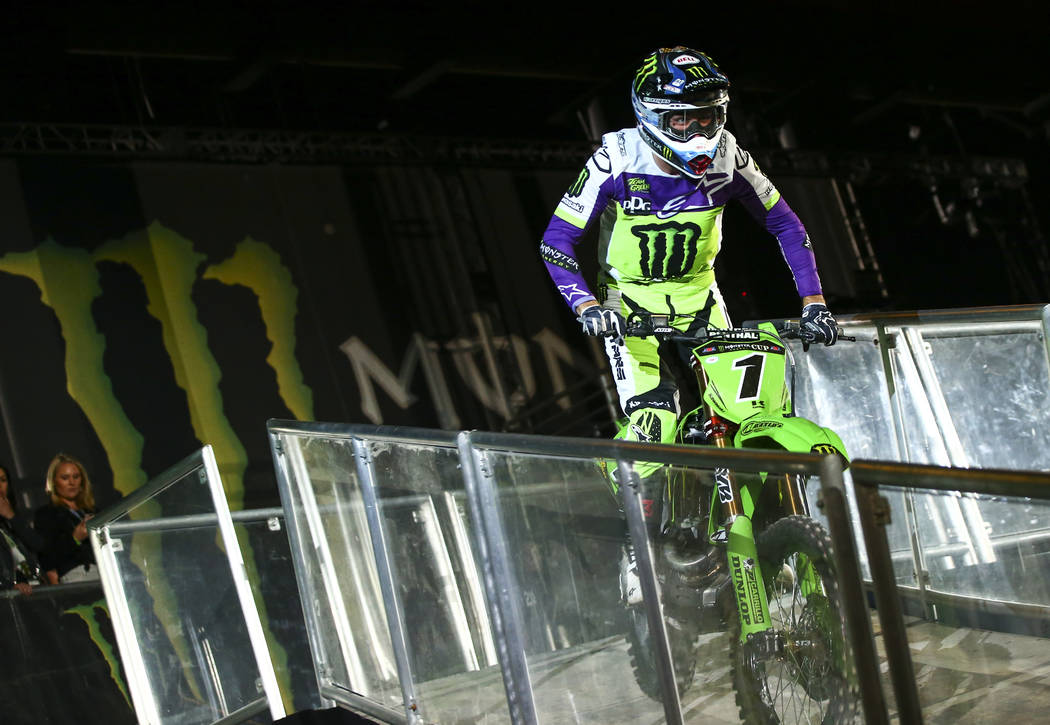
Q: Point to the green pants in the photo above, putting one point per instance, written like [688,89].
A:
[644,369]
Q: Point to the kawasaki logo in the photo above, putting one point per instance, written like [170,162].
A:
[668,249]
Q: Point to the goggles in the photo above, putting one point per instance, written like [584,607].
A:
[686,123]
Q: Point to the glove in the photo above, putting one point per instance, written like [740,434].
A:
[600,322]
[817,325]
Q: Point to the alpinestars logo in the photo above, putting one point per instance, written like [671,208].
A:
[647,428]
[571,291]
[668,250]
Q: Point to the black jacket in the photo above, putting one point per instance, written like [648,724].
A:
[28,543]
[61,551]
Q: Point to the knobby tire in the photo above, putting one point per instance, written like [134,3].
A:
[810,680]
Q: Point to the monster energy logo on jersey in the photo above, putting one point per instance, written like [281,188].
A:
[577,186]
[668,250]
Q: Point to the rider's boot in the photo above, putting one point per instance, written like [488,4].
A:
[651,489]
[630,584]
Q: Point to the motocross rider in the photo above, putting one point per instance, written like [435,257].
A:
[659,190]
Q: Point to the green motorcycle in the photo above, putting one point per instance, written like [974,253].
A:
[740,553]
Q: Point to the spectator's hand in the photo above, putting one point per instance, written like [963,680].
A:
[5,508]
[80,532]
[25,589]
[52,576]
[817,325]
[600,322]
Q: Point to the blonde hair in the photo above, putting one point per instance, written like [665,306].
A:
[85,499]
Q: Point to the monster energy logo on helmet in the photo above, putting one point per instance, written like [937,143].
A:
[657,77]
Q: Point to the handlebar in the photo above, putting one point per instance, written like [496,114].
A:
[646,324]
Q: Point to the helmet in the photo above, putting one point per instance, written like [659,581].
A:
[679,98]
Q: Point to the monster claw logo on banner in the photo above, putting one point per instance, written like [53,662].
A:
[68,282]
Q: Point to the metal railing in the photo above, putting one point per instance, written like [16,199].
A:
[305,470]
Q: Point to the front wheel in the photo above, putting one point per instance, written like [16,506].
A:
[801,670]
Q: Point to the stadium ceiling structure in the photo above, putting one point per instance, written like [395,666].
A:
[966,79]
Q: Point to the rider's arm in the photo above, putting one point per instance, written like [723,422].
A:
[758,195]
[782,222]
[577,209]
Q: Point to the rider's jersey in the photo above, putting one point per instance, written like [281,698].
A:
[664,229]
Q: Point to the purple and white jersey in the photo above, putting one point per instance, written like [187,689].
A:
[659,227]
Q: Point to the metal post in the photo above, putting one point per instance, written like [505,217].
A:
[391,601]
[500,584]
[886,342]
[874,515]
[855,605]
[632,507]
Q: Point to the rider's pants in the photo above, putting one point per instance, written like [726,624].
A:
[644,370]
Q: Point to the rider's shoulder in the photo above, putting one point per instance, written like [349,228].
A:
[628,151]
[729,151]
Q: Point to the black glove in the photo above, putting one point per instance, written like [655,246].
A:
[817,325]
[600,322]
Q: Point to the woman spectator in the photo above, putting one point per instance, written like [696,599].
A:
[19,543]
[67,555]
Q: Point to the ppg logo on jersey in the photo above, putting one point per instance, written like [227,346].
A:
[634,205]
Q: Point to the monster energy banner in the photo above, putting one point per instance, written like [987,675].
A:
[152,308]
[59,660]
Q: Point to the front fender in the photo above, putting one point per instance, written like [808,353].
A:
[797,435]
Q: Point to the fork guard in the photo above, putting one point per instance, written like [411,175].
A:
[797,435]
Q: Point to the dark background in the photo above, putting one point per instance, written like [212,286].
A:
[883,83]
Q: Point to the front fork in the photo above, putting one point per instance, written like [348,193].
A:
[745,574]
[742,553]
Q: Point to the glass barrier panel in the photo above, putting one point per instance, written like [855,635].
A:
[190,636]
[982,653]
[352,647]
[996,387]
[982,546]
[843,388]
[433,553]
[263,539]
[566,534]
[969,394]
[590,657]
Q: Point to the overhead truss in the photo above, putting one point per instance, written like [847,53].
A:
[297,147]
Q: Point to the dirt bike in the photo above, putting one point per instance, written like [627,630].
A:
[747,559]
